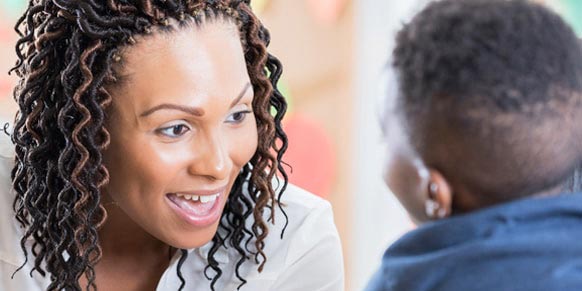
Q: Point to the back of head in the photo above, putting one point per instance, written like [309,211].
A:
[491,95]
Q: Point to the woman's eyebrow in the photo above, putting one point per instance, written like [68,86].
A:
[240,95]
[195,111]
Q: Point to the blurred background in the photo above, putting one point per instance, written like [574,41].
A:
[335,55]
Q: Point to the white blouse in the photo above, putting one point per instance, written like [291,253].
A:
[309,257]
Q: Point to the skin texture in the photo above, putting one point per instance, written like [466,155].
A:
[409,178]
[408,182]
[414,182]
[202,146]
[411,181]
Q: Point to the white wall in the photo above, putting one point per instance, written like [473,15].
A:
[378,217]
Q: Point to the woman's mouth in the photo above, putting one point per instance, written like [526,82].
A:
[197,210]
[204,199]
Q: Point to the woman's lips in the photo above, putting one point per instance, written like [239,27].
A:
[196,210]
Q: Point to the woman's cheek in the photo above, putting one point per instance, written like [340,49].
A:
[244,145]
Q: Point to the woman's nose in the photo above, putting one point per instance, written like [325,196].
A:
[213,159]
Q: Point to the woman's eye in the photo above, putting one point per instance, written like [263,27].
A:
[238,117]
[174,131]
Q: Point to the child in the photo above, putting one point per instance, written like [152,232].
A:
[490,96]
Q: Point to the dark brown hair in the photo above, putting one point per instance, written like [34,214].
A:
[490,93]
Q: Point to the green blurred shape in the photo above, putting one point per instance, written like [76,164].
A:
[258,6]
[284,89]
[13,7]
[572,10]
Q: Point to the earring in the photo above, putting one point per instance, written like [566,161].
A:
[431,207]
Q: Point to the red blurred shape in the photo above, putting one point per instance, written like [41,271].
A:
[5,88]
[310,154]
[326,11]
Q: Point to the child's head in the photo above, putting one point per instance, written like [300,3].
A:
[490,96]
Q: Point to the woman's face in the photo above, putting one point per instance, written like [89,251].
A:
[181,129]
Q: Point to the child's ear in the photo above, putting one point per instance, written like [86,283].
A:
[439,196]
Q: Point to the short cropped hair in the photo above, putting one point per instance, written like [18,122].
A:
[490,92]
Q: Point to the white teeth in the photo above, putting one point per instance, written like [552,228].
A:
[208,198]
[203,199]
[189,197]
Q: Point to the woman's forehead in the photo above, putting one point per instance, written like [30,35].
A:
[187,41]
[191,65]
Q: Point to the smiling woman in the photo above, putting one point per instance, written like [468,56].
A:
[179,133]
[146,155]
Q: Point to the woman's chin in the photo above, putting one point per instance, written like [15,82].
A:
[194,239]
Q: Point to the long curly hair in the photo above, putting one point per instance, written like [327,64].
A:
[67,54]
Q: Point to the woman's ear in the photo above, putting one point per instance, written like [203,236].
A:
[439,199]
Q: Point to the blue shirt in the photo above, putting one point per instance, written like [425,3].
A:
[530,244]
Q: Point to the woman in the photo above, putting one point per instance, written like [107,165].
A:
[146,151]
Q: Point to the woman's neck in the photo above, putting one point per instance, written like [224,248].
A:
[131,259]
[120,236]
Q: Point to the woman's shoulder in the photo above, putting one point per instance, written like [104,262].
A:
[309,248]
[300,209]
[6,164]
[9,239]
[307,212]
[302,242]
[299,200]
[11,255]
